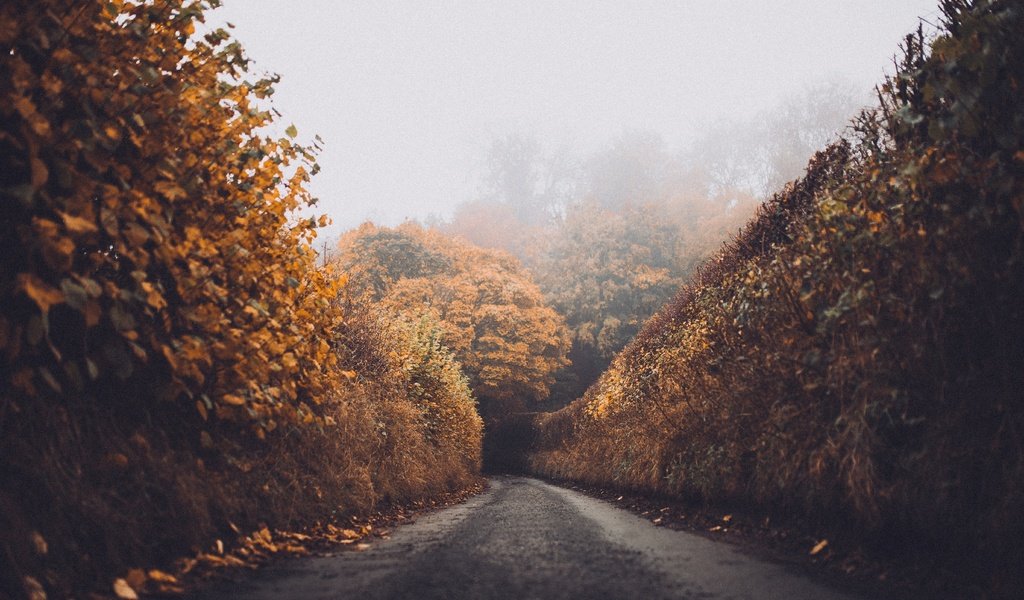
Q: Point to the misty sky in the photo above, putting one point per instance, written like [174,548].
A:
[408,95]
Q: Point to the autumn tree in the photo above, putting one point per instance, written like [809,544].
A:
[493,316]
[535,183]
[607,272]
[610,236]
[762,154]
[635,168]
[497,225]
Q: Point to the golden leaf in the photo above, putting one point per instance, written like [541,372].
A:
[819,547]
[124,591]
[170,190]
[39,291]
[78,224]
[233,399]
[33,589]
[161,577]
[156,300]
[38,543]
[350,534]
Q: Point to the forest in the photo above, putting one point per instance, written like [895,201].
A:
[818,320]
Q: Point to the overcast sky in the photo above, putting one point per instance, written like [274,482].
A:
[408,95]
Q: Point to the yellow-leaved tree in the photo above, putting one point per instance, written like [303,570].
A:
[492,315]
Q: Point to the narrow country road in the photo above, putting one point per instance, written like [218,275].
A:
[526,539]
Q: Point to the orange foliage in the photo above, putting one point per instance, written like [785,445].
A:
[492,315]
[491,224]
[150,228]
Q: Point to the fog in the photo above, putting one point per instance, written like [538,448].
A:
[409,97]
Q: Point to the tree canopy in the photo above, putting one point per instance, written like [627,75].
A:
[492,314]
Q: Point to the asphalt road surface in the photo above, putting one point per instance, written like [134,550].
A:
[526,539]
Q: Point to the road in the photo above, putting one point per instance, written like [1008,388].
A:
[526,539]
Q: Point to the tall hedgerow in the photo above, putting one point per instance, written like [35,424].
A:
[856,354]
[173,361]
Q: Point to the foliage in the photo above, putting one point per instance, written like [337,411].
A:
[161,312]
[607,272]
[519,175]
[855,355]
[609,239]
[496,225]
[426,431]
[147,230]
[492,315]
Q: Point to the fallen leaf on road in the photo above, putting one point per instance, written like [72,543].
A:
[124,591]
[33,589]
[819,547]
[211,559]
[39,543]
[161,577]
